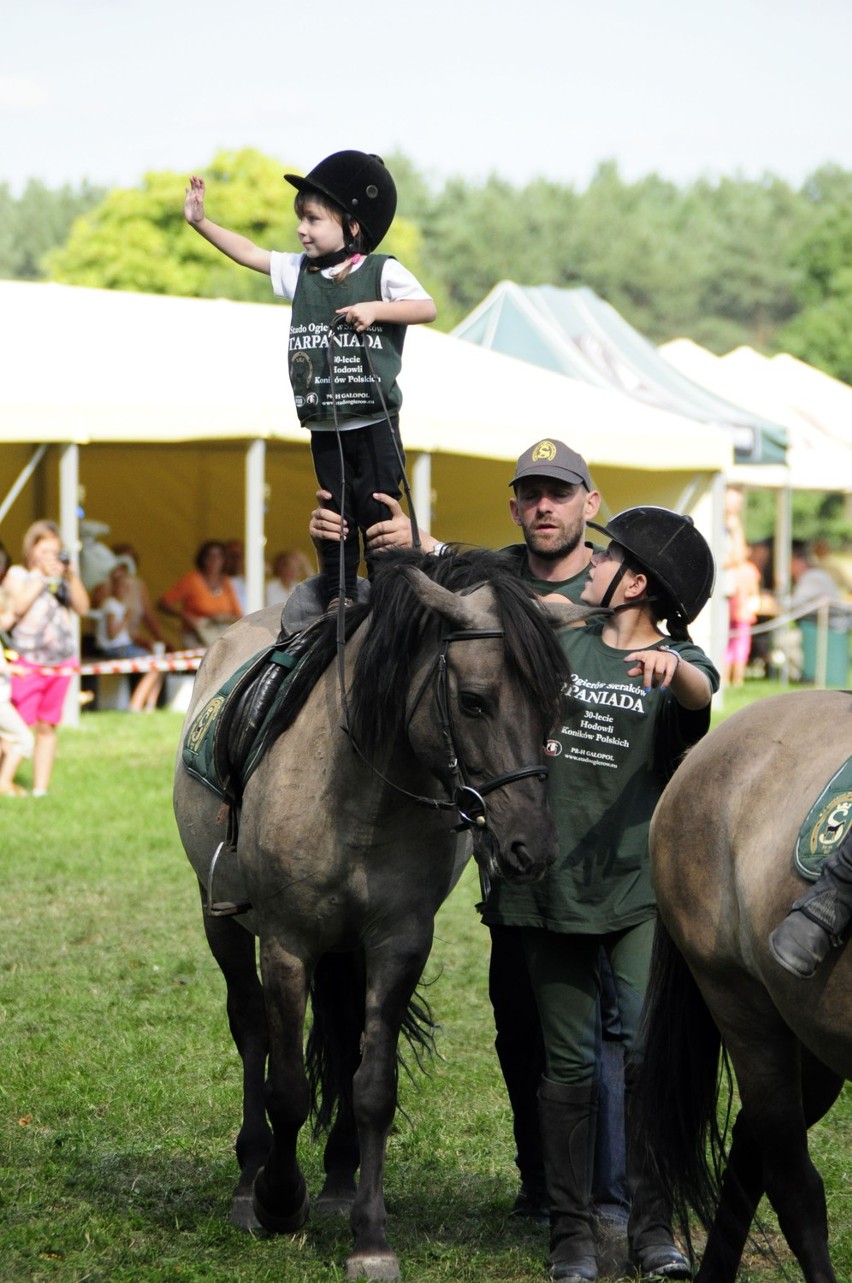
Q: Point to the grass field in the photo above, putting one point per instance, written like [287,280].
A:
[120,1088]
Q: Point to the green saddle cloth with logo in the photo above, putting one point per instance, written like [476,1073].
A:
[236,726]
[826,825]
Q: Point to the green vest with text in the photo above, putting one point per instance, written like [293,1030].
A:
[332,378]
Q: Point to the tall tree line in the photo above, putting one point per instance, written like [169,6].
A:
[734,261]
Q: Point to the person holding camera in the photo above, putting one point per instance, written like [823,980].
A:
[46,592]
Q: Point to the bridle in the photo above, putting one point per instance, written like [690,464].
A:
[469,802]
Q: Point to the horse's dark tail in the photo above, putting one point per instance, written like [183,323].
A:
[333,1051]
[676,1105]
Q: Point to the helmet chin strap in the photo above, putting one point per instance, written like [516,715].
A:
[349,249]
[613,584]
[331,260]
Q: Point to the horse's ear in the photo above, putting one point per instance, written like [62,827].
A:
[570,614]
[462,612]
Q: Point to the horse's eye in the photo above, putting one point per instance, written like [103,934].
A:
[471,705]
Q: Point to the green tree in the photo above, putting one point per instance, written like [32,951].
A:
[36,222]
[815,516]
[727,262]
[137,238]
[821,333]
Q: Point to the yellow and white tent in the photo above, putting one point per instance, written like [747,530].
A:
[171,420]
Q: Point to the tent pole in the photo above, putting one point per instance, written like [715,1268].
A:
[22,479]
[719,620]
[255,538]
[69,489]
[422,490]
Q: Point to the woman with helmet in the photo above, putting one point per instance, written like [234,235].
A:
[639,697]
[350,312]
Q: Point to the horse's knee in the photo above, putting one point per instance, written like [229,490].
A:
[288,1099]
[374,1096]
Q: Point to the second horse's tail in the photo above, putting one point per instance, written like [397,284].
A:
[678,1087]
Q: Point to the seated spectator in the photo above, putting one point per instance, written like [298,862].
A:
[142,622]
[114,638]
[836,564]
[235,569]
[203,600]
[289,569]
[16,738]
[813,584]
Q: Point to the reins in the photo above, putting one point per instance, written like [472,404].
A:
[336,325]
[467,801]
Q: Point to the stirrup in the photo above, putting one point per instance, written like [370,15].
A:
[221,908]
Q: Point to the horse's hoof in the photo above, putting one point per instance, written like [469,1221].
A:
[334,1203]
[242,1213]
[372,1266]
[271,1221]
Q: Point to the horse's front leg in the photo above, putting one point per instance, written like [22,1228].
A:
[392,976]
[280,1192]
[234,950]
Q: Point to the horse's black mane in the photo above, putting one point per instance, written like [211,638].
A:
[376,698]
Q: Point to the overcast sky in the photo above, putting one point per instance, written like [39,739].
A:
[105,90]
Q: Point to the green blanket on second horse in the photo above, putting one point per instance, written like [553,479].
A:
[826,824]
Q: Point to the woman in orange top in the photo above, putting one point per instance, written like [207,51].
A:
[204,600]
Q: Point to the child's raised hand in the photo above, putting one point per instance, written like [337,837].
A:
[359,315]
[193,207]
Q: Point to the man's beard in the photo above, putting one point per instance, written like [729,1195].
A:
[569,544]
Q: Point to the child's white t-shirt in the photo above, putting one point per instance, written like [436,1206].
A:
[112,608]
[397,282]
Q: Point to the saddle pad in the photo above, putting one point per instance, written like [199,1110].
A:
[199,749]
[827,823]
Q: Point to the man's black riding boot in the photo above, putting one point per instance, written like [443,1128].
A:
[520,1051]
[818,920]
[649,1226]
[568,1114]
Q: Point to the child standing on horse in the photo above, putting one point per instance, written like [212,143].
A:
[639,698]
[351,307]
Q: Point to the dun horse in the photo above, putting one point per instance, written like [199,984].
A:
[723,841]
[346,849]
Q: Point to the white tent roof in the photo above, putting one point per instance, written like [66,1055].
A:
[818,398]
[88,365]
[578,334]
[808,403]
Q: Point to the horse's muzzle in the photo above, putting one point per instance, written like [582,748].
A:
[515,862]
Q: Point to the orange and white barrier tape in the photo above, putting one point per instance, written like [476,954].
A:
[179,661]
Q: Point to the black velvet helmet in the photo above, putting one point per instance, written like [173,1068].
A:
[359,183]
[669,547]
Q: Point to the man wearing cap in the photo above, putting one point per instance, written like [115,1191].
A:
[553,498]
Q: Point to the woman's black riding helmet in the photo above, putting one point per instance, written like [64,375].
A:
[668,546]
